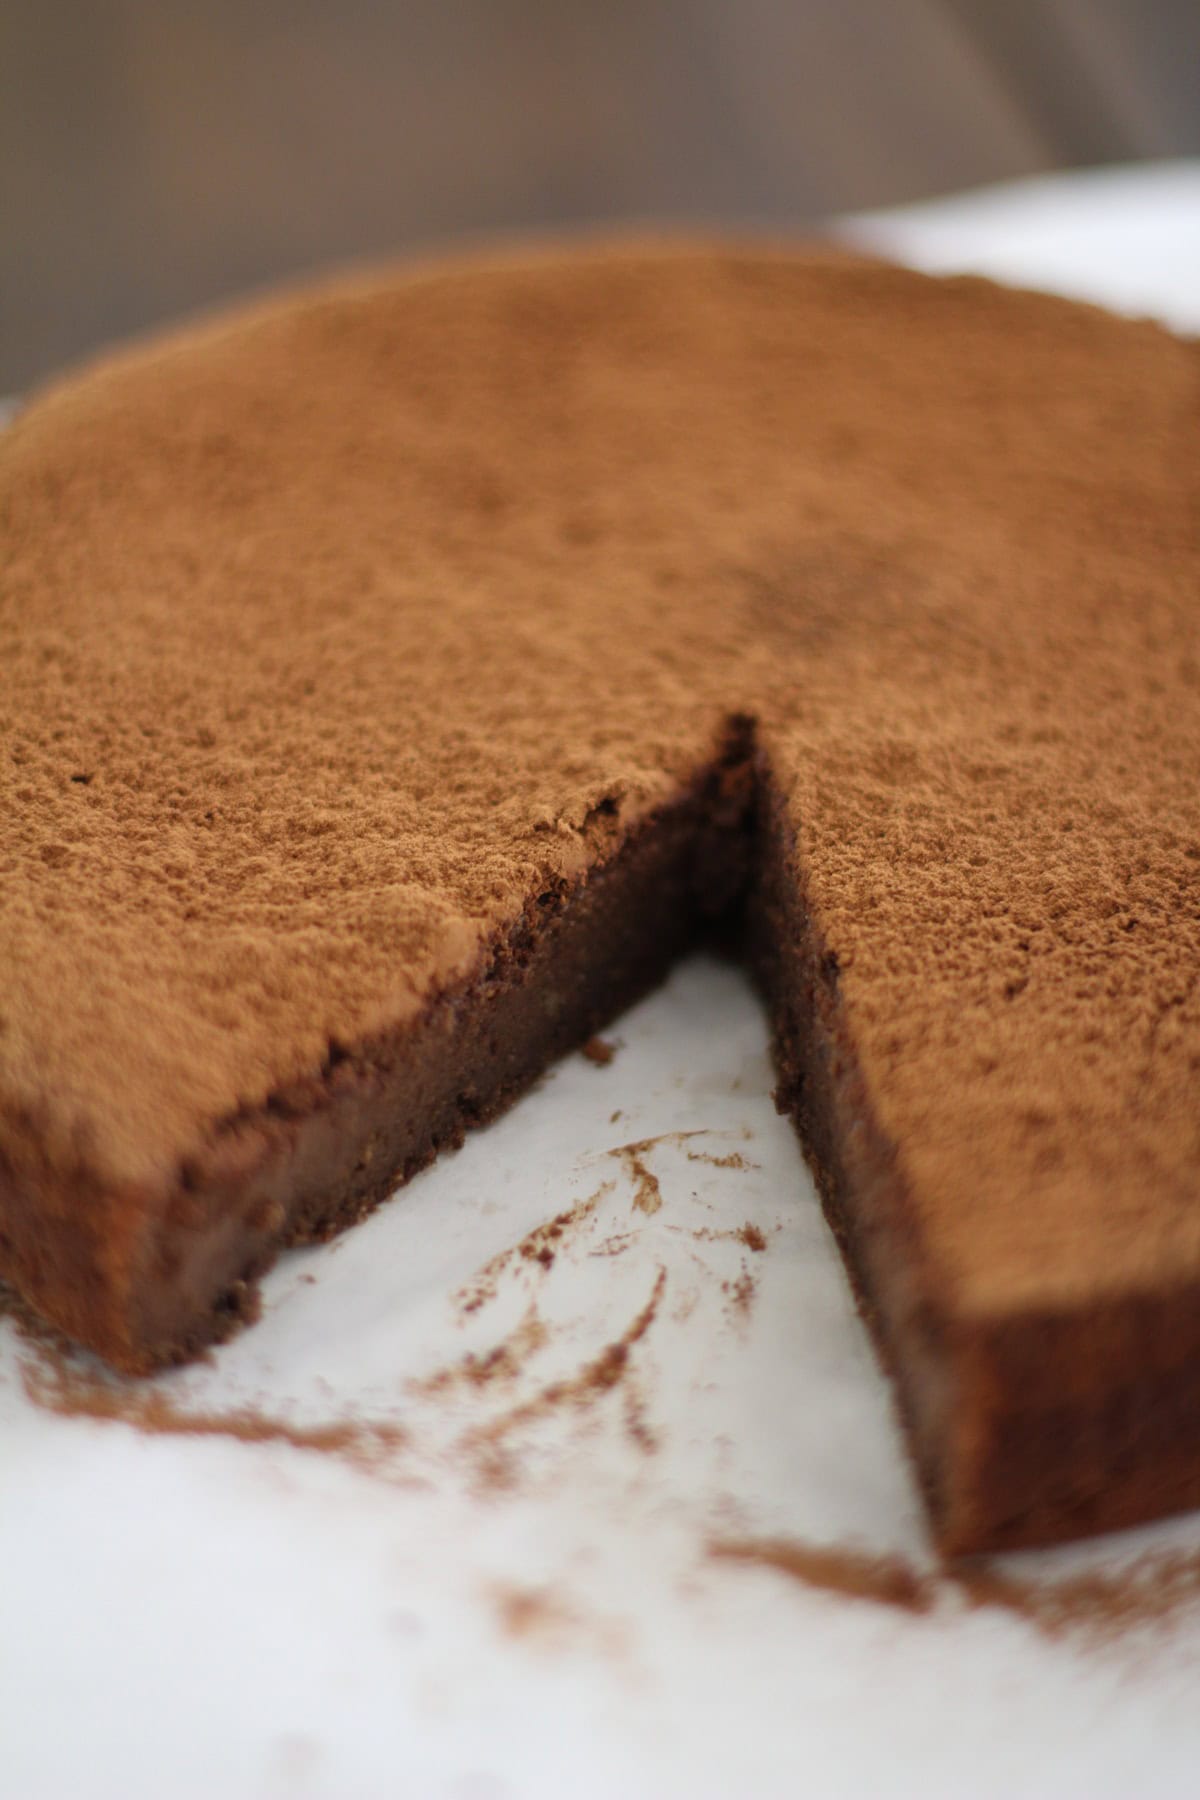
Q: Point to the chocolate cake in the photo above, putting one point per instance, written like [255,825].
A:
[397,677]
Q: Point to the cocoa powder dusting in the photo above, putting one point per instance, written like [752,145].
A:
[752,1237]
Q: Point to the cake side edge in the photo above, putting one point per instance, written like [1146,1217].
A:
[149,1278]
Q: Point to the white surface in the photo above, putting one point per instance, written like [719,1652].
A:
[1128,238]
[199,1616]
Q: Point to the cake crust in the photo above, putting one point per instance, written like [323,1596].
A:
[336,633]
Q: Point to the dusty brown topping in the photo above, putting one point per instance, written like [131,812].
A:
[753,1237]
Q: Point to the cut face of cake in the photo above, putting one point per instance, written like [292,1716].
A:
[397,678]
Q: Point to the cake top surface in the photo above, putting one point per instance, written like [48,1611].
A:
[331,630]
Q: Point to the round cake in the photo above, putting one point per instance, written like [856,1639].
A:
[396,677]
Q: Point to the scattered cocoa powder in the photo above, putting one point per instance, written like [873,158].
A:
[598,1050]
[598,1376]
[537,1246]
[648,1194]
[493,1469]
[1154,1589]
[1094,1605]
[885,1579]
[616,1245]
[526,1612]
[545,1618]
[637,1429]
[748,1235]
[741,1292]
[685,1306]
[503,1363]
[734,1160]
[53,1384]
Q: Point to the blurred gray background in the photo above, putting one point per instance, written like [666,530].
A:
[158,154]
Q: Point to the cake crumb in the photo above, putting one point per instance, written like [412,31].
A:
[600,1051]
